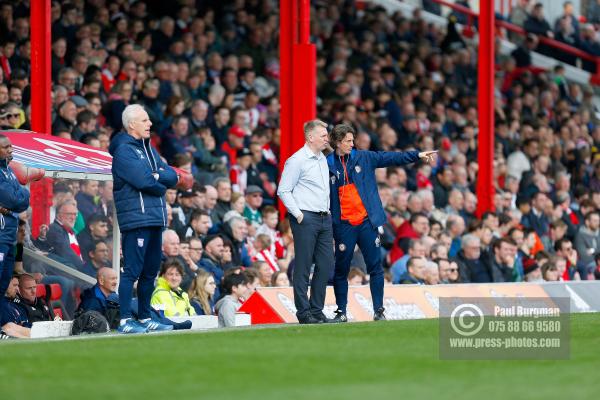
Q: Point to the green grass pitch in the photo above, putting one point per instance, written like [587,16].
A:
[389,360]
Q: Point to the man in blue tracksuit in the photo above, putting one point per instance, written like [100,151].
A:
[357,213]
[141,179]
[14,199]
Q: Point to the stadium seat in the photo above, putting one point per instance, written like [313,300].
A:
[40,291]
[55,296]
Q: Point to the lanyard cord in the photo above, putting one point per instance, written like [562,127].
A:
[346,178]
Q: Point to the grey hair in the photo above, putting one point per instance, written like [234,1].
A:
[168,233]
[234,220]
[468,239]
[129,114]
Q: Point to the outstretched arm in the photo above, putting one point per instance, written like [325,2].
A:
[385,159]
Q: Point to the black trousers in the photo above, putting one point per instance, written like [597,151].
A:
[313,243]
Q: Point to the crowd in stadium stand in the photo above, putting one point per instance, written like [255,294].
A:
[207,74]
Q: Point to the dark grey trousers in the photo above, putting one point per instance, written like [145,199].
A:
[313,243]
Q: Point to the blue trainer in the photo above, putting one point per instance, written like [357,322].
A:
[132,326]
[155,326]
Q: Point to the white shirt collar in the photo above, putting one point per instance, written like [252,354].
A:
[309,153]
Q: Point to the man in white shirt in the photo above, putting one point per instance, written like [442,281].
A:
[304,190]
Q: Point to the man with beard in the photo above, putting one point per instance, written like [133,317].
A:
[212,258]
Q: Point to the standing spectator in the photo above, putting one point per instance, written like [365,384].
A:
[13,199]
[537,24]
[304,190]
[140,177]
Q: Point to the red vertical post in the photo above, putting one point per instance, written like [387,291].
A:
[286,42]
[298,76]
[485,103]
[304,22]
[41,120]
[304,83]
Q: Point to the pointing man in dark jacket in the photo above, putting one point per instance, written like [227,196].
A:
[141,180]
[14,199]
[357,213]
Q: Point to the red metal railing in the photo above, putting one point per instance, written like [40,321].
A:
[469,32]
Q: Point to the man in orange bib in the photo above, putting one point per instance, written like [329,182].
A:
[357,213]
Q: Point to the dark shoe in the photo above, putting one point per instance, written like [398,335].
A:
[340,317]
[324,319]
[309,320]
[379,315]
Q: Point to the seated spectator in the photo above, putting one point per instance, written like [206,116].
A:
[237,232]
[501,263]
[238,203]
[532,271]
[536,219]
[212,258]
[280,279]
[235,142]
[61,237]
[447,271]
[234,286]
[270,218]
[86,199]
[587,239]
[102,297]
[265,273]
[66,119]
[254,200]
[550,272]
[432,274]
[416,248]
[223,186]
[262,245]
[15,322]
[168,295]
[356,277]
[199,225]
[98,257]
[37,309]
[202,293]
[97,229]
[238,173]
[171,249]
[565,251]
[415,271]
[253,278]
